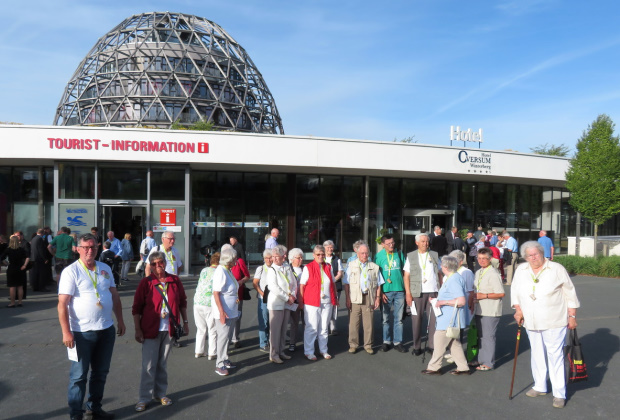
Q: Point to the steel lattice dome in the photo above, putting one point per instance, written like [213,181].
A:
[154,69]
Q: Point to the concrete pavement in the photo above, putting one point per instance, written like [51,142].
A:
[33,383]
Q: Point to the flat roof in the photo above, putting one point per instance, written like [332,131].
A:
[231,151]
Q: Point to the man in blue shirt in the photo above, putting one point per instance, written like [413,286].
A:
[272,241]
[547,244]
[116,245]
[511,245]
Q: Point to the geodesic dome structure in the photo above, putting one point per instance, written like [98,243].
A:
[155,69]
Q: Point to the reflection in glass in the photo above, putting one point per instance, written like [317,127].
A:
[167,184]
[123,183]
[76,181]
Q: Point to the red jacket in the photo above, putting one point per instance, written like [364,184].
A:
[148,301]
[239,271]
[312,290]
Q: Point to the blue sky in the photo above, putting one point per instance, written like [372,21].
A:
[527,72]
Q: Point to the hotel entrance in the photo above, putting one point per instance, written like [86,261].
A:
[122,220]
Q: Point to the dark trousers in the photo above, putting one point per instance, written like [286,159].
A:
[38,276]
[423,305]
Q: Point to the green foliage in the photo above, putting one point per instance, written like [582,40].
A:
[552,150]
[201,125]
[600,266]
[593,177]
[381,233]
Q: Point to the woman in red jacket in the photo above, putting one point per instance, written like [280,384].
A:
[154,325]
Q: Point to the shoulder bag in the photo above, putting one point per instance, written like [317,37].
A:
[178,332]
[454,332]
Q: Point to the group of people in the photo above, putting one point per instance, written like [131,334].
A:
[441,290]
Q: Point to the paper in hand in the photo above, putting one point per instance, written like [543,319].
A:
[72,353]
[435,308]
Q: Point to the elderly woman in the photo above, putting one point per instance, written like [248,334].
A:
[337,273]
[468,279]
[282,294]
[154,319]
[544,298]
[241,273]
[203,316]
[452,293]
[318,297]
[225,310]
[489,294]
[16,271]
[127,257]
[295,259]
[260,282]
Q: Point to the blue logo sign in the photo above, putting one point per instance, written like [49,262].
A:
[75,221]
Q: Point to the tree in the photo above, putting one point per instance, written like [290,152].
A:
[406,140]
[553,150]
[593,176]
[200,125]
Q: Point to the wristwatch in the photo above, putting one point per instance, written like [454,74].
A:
[186,322]
[572,316]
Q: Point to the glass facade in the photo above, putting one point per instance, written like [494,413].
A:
[307,208]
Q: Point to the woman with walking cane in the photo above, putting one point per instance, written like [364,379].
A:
[545,301]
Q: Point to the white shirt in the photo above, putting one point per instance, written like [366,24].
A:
[426,264]
[554,293]
[173,259]
[84,314]
[225,283]
[325,293]
[328,260]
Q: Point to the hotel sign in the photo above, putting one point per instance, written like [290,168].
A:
[456,134]
[476,162]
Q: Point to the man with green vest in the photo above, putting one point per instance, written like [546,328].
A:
[391,263]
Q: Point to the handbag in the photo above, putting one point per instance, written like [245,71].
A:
[178,332]
[140,267]
[454,332]
[246,294]
[574,363]
[472,341]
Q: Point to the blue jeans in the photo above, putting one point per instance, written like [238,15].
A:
[95,351]
[393,311]
[263,323]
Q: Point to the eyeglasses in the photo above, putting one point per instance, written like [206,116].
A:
[158,263]
[320,255]
[89,248]
[483,258]
[170,239]
[390,243]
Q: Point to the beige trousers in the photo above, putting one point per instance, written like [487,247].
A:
[456,350]
[361,312]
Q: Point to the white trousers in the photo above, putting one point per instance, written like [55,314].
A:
[205,324]
[551,343]
[317,321]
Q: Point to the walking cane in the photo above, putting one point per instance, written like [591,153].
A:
[428,315]
[514,367]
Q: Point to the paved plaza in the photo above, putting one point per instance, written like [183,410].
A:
[34,366]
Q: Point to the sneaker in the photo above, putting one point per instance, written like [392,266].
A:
[98,415]
[222,371]
[291,348]
[533,393]
[229,365]
[559,402]
[264,349]
[199,355]
[385,347]
[352,350]
[211,357]
[236,345]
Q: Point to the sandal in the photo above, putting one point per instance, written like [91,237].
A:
[291,348]
[141,406]
[311,357]
[483,368]
[473,364]
[164,401]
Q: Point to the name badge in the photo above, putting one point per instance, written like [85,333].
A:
[533,296]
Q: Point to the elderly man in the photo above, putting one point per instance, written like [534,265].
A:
[86,300]
[272,241]
[454,232]
[391,264]
[318,297]
[422,281]
[42,262]
[439,243]
[362,282]
[545,300]
[173,259]
[511,246]
[237,247]
[547,244]
[116,247]
[146,245]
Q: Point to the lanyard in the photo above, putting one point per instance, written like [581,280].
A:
[535,279]
[423,263]
[482,273]
[170,257]
[390,263]
[323,294]
[164,289]
[93,281]
[234,280]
